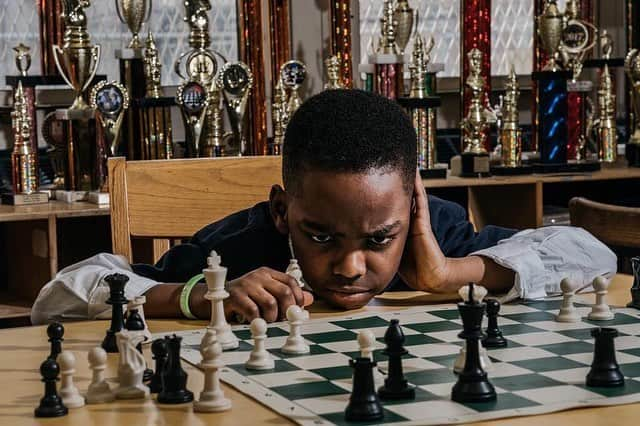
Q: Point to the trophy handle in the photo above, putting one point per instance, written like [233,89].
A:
[57,50]
[96,56]
[119,12]
[146,19]
[178,65]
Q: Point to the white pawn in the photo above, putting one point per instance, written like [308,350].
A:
[295,342]
[138,303]
[260,358]
[367,343]
[212,397]
[99,391]
[568,312]
[68,391]
[215,275]
[600,311]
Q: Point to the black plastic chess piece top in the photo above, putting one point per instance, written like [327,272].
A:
[51,404]
[473,384]
[635,288]
[134,321]
[364,405]
[605,371]
[116,299]
[174,378]
[160,352]
[55,331]
[395,385]
[494,337]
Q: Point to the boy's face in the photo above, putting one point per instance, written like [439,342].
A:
[348,232]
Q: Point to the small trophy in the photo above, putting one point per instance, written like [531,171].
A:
[632,69]
[293,74]
[193,99]
[236,82]
[279,116]
[134,13]
[605,124]
[332,68]
[403,16]
[110,100]
[23,58]
[577,38]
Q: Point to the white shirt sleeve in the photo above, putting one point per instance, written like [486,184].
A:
[542,257]
[79,292]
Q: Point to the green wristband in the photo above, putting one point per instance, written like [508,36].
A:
[184,296]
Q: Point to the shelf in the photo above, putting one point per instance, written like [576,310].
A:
[12,307]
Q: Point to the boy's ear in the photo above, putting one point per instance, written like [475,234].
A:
[278,208]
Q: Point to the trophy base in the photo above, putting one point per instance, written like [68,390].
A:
[633,154]
[511,171]
[128,53]
[580,86]
[100,198]
[69,114]
[474,165]
[435,173]
[581,167]
[385,59]
[71,196]
[25,199]
[423,103]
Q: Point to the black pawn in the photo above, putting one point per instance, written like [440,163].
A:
[116,299]
[55,331]
[494,338]
[135,323]
[395,385]
[51,404]
[174,378]
[364,405]
[605,371]
[160,352]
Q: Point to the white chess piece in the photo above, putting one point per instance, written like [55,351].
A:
[367,343]
[601,311]
[260,358]
[485,361]
[479,293]
[568,312]
[131,367]
[68,391]
[212,397]
[138,303]
[99,391]
[215,275]
[295,342]
[294,271]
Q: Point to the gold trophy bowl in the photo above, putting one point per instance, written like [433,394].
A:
[550,26]
[134,13]
[78,67]
[403,15]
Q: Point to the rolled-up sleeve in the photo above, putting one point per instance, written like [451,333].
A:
[542,257]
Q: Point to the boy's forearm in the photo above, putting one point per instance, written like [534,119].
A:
[481,270]
[163,301]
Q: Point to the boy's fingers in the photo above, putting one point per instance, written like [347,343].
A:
[244,306]
[291,283]
[266,302]
[420,194]
[283,294]
[308,298]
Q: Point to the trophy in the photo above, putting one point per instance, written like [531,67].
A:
[23,58]
[236,82]
[387,62]
[632,69]
[403,16]
[550,25]
[279,116]
[53,133]
[293,74]
[110,101]
[332,67]
[134,13]
[577,38]
[605,124]
[388,26]
[77,60]
[152,68]
[193,99]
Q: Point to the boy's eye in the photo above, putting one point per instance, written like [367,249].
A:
[322,239]
[380,241]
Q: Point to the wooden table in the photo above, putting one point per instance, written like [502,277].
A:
[22,350]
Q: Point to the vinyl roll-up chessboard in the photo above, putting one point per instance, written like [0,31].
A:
[542,370]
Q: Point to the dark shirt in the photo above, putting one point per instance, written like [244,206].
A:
[248,239]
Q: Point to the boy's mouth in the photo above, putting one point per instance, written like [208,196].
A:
[349,297]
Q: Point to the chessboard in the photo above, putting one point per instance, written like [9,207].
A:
[542,370]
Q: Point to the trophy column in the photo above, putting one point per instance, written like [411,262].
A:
[132,77]
[552,120]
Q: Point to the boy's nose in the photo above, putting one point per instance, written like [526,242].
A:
[351,265]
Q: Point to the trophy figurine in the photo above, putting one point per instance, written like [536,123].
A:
[193,99]
[279,116]
[388,26]
[77,60]
[605,124]
[332,67]
[236,82]
[293,74]
[578,37]
[403,16]
[23,58]
[550,25]
[134,13]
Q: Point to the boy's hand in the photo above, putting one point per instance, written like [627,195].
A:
[423,267]
[265,293]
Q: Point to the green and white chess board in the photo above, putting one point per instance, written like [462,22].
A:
[542,370]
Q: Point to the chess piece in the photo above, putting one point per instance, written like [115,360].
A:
[605,371]
[568,312]
[212,397]
[174,378]
[494,338]
[135,323]
[473,384]
[99,391]
[215,275]
[635,287]
[69,393]
[137,304]
[485,361]
[295,343]
[160,352]
[395,385]
[55,331]
[116,299]
[294,271]
[600,311]
[364,405]
[131,367]
[367,342]
[51,404]
[260,358]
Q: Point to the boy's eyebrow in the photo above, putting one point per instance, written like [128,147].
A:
[314,225]
[382,230]
[387,228]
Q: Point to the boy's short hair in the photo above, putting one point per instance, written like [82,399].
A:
[349,131]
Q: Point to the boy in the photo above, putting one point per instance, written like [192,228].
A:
[355,214]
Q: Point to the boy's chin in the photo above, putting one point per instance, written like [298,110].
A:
[348,300]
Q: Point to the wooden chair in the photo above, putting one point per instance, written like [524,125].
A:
[172,199]
[615,226]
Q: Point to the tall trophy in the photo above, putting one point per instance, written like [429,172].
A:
[236,81]
[332,68]
[550,25]
[605,124]
[134,13]
[77,60]
[279,116]
[632,69]
[193,99]
[387,61]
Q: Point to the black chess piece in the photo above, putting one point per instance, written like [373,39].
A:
[473,384]
[605,371]
[160,352]
[51,404]
[395,385]
[134,322]
[174,378]
[55,331]
[364,405]
[116,299]
[635,287]
[494,337]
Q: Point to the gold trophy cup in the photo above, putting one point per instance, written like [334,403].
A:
[134,13]
[403,15]
[550,25]
[23,58]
